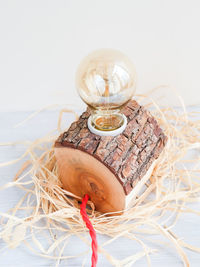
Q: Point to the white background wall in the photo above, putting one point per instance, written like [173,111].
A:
[42,42]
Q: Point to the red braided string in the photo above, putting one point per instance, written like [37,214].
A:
[91,230]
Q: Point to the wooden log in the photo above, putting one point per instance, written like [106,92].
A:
[109,168]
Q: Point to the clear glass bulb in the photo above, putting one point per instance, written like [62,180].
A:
[106,80]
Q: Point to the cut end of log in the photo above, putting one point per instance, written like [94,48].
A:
[109,168]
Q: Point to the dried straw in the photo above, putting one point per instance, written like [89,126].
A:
[49,209]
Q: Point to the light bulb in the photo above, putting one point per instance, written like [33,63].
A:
[106,80]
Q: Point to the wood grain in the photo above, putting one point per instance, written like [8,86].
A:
[129,155]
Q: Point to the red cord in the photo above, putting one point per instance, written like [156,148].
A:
[91,230]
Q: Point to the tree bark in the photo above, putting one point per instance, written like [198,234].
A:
[127,156]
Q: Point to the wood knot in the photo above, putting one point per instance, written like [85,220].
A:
[94,188]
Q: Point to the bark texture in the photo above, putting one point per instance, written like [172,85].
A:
[128,155]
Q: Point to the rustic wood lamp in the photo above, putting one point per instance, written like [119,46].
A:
[111,151]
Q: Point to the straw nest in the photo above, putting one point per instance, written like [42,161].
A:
[46,207]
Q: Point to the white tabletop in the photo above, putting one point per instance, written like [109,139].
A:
[187,228]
